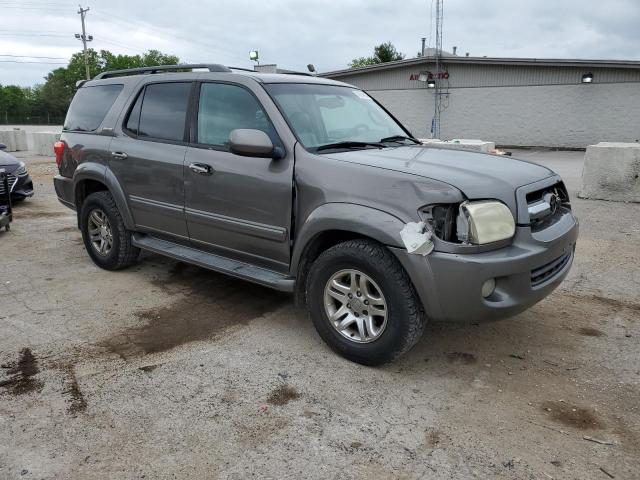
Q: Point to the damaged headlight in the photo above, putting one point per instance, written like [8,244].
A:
[484,221]
[441,219]
[471,222]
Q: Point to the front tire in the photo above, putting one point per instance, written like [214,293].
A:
[105,237]
[363,303]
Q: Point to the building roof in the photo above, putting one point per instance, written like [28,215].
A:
[448,59]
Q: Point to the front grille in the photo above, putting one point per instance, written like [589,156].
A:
[547,204]
[11,180]
[548,271]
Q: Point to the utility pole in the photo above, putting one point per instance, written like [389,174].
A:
[84,38]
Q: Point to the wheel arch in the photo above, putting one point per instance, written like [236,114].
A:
[89,178]
[334,223]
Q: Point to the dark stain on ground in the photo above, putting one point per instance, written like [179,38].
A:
[206,304]
[610,302]
[21,374]
[283,395]
[76,401]
[572,416]
[591,332]
[461,357]
[40,214]
[148,368]
[68,229]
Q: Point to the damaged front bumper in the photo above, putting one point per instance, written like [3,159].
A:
[525,272]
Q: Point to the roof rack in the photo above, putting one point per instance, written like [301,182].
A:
[243,69]
[212,67]
[305,74]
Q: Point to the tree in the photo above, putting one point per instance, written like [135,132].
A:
[383,53]
[51,100]
[60,84]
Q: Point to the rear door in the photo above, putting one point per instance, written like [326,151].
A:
[148,159]
[236,206]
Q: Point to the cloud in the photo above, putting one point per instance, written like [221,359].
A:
[293,33]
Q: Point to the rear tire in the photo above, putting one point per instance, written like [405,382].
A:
[105,237]
[393,316]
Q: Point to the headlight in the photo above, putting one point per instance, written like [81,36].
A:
[22,169]
[484,221]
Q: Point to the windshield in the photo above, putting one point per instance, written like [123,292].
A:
[323,115]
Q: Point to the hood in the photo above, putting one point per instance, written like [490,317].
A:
[477,175]
[7,160]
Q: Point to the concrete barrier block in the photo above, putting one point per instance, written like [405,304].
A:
[43,142]
[612,172]
[9,139]
[21,140]
[461,144]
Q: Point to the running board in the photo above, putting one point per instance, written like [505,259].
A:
[214,262]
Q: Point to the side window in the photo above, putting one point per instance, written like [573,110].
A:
[89,107]
[133,121]
[224,108]
[164,111]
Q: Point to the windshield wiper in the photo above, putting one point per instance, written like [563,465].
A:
[350,144]
[399,138]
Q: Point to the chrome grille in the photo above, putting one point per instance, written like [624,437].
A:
[548,271]
[11,180]
[545,204]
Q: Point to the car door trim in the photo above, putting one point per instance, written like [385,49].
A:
[155,203]
[246,227]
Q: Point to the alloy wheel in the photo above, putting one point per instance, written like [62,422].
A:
[355,306]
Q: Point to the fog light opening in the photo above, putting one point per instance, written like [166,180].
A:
[488,287]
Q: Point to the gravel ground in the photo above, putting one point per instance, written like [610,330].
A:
[170,371]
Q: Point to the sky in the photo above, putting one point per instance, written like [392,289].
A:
[293,33]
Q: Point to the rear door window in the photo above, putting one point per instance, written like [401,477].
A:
[133,121]
[163,111]
[89,107]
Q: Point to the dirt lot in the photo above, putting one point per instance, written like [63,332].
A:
[169,371]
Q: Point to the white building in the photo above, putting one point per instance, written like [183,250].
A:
[511,101]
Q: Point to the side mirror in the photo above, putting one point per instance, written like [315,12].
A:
[2,146]
[251,143]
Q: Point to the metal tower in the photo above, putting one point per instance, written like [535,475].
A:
[435,122]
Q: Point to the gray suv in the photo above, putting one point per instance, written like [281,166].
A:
[308,185]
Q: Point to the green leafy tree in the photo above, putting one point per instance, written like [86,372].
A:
[51,100]
[383,53]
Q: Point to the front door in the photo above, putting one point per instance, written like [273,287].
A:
[237,206]
[148,159]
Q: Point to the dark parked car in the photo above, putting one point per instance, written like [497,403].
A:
[308,185]
[20,183]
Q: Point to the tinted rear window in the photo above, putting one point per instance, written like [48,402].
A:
[164,111]
[89,107]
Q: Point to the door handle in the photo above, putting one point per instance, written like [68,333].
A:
[119,155]
[201,168]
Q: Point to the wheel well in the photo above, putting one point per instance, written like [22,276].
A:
[83,190]
[314,248]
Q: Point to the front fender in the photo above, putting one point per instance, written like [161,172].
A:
[349,217]
[102,174]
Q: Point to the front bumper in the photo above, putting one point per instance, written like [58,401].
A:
[450,285]
[23,188]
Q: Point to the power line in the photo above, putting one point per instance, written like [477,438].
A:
[169,37]
[20,34]
[30,56]
[41,63]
